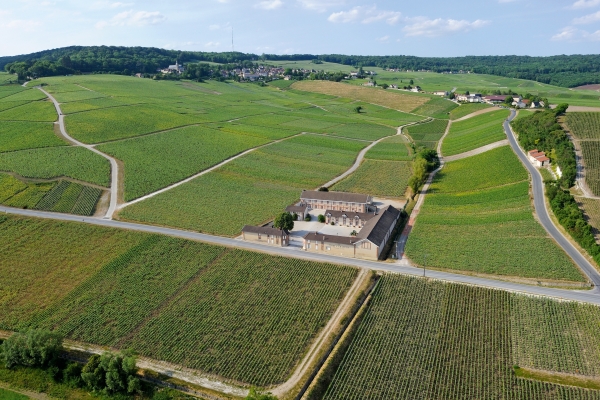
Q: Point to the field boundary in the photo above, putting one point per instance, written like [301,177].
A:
[114,185]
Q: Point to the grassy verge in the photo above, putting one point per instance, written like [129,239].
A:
[556,377]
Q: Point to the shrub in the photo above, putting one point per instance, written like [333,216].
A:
[307,218]
[33,348]
[321,218]
[111,373]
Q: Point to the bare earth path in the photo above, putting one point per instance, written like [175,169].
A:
[476,113]
[114,168]
[476,151]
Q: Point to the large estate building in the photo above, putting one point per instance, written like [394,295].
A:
[336,201]
[367,244]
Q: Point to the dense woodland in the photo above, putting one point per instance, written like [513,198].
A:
[566,71]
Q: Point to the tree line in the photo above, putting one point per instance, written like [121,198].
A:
[561,70]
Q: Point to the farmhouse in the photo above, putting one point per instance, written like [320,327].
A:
[441,93]
[470,98]
[367,244]
[495,99]
[300,211]
[347,218]
[336,201]
[266,235]
[538,158]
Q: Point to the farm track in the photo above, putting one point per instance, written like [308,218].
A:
[361,156]
[478,150]
[199,174]
[476,113]
[114,184]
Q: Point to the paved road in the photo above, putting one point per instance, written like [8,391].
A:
[114,184]
[542,212]
[588,296]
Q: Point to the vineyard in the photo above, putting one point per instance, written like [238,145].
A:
[395,148]
[428,134]
[257,185]
[155,161]
[378,178]
[424,339]
[584,125]
[55,162]
[591,209]
[474,133]
[27,135]
[38,111]
[465,109]
[162,297]
[437,108]
[63,196]
[477,217]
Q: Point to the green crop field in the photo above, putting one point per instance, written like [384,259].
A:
[584,125]
[477,217]
[422,339]
[63,196]
[8,394]
[436,108]
[591,160]
[466,109]
[40,111]
[591,209]
[378,178]
[27,135]
[161,296]
[475,132]
[54,162]
[395,148]
[155,161]
[278,173]
[427,134]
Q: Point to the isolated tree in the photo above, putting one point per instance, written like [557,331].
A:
[358,109]
[411,82]
[284,221]
[561,108]
[33,348]
[385,86]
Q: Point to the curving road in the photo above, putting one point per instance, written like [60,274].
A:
[588,296]
[539,202]
[114,167]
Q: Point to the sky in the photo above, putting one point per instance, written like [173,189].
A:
[362,27]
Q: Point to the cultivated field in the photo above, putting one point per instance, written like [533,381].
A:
[478,218]
[428,134]
[242,316]
[378,178]
[585,127]
[466,109]
[257,185]
[475,132]
[437,108]
[27,135]
[394,100]
[395,148]
[591,209]
[424,339]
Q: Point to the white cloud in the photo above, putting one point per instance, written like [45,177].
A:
[587,19]
[585,4]
[384,38]
[109,5]
[320,5]
[212,44]
[436,27]
[134,18]
[214,27]
[366,15]
[269,4]
[27,25]
[576,35]
[506,1]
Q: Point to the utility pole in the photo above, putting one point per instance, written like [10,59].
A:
[424,262]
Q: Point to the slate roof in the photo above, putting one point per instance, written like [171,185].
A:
[265,230]
[350,214]
[335,196]
[296,209]
[376,228]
